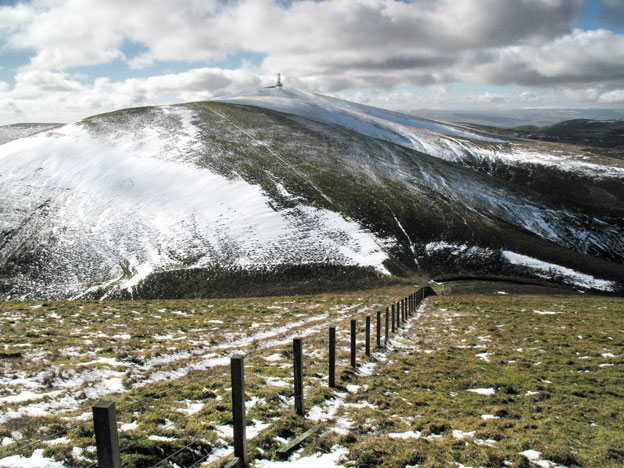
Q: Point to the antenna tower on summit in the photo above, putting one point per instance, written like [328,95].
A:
[279,82]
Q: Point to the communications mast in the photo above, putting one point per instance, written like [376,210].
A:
[279,82]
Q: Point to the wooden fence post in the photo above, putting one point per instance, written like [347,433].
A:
[237,369]
[393,318]
[368,320]
[106,437]
[387,323]
[298,368]
[353,331]
[332,357]
[379,328]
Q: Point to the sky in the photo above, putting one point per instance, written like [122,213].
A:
[63,60]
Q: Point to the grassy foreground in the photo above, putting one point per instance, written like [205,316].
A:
[551,373]
[548,369]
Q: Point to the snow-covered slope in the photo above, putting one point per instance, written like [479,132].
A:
[452,142]
[15,131]
[100,205]
[115,207]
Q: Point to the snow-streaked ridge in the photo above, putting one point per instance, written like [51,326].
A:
[451,142]
[124,204]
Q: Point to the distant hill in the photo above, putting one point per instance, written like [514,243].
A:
[583,132]
[508,118]
[595,137]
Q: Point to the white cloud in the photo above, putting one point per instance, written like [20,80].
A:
[329,46]
[308,35]
[616,96]
[582,94]
[58,97]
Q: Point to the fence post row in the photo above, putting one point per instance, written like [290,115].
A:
[298,369]
[106,436]
[105,415]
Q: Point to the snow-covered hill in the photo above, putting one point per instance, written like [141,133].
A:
[115,207]
[107,204]
[452,142]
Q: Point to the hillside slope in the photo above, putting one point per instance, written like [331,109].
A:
[478,148]
[110,204]
[16,131]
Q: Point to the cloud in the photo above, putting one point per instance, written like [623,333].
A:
[57,96]
[615,96]
[578,58]
[356,33]
[328,46]
[73,33]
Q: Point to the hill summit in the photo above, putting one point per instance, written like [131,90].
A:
[282,186]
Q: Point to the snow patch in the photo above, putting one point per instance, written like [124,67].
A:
[482,391]
[549,270]
[327,460]
[404,435]
[36,460]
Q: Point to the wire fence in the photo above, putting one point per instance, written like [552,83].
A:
[107,440]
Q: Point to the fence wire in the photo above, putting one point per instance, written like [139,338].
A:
[419,296]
